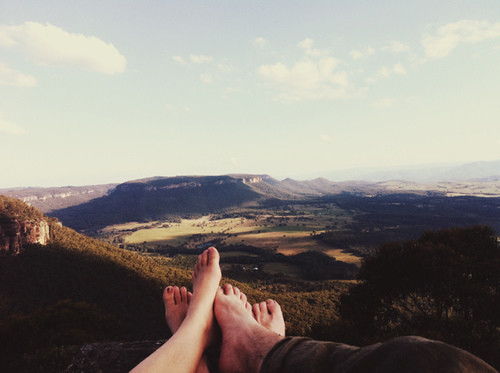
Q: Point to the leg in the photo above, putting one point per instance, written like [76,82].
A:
[176,303]
[402,355]
[183,351]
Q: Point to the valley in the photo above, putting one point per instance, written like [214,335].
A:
[268,230]
[289,240]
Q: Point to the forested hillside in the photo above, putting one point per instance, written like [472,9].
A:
[78,290]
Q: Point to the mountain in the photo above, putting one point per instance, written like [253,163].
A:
[421,173]
[166,197]
[163,197]
[49,199]
[160,197]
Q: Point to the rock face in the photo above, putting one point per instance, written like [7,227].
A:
[16,234]
[112,357]
[121,357]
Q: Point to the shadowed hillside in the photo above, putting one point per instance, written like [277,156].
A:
[78,290]
[158,198]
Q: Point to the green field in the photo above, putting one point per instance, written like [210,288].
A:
[286,232]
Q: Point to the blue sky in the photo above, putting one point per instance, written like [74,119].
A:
[107,91]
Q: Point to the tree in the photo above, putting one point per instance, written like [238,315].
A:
[445,285]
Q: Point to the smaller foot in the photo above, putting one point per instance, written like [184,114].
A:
[176,303]
[206,277]
[269,315]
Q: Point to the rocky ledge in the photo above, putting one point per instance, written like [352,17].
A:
[16,234]
[111,357]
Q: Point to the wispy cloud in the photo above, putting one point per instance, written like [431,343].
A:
[383,103]
[308,79]
[51,45]
[179,60]
[10,128]
[361,53]
[200,58]
[260,42]
[171,108]
[326,138]
[315,77]
[206,78]
[446,38]
[396,47]
[387,71]
[197,59]
[307,45]
[11,77]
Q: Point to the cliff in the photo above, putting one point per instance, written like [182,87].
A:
[20,225]
[15,234]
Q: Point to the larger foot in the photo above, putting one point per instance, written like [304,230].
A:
[244,341]
[269,315]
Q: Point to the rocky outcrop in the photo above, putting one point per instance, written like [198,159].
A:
[121,357]
[15,234]
[111,357]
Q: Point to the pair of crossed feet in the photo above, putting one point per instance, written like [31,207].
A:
[176,301]
[242,325]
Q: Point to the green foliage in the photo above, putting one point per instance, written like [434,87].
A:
[80,290]
[11,208]
[445,285]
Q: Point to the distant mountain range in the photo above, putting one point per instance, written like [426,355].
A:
[49,199]
[485,170]
[94,206]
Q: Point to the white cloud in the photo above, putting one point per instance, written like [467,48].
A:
[357,54]
[387,71]
[308,79]
[307,43]
[206,78]
[51,45]
[383,103]
[179,60]
[399,69]
[448,37]
[260,42]
[200,58]
[170,108]
[225,67]
[308,46]
[384,72]
[326,138]
[396,47]
[10,77]
[10,128]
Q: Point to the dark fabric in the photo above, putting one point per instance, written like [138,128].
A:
[402,355]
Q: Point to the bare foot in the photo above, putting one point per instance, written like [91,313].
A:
[183,352]
[206,278]
[245,342]
[269,315]
[176,303]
